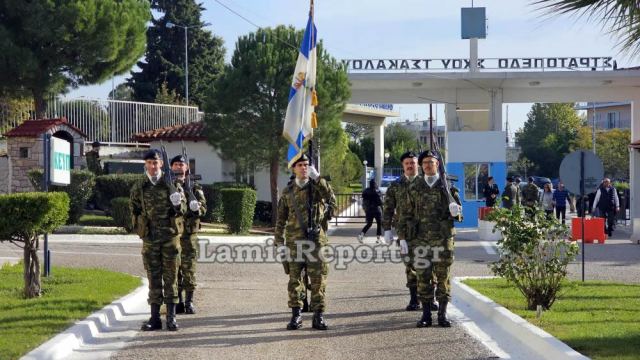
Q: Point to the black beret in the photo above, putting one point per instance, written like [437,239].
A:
[302,157]
[178,158]
[152,154]
[428,153]
[408,154]
[95,144]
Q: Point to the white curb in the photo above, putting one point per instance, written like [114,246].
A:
[512,328]
[93,328]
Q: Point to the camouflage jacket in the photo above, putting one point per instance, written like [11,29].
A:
[192,219]
[93,163]
[530,195]
[153,215]
[287,223]
[510,196]
[430,216]
[396,203]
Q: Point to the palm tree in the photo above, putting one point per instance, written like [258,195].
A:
[621,16]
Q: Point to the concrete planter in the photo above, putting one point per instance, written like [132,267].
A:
[485,231]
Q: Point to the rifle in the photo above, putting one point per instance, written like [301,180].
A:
[445,180]
[167,174]
[188,181]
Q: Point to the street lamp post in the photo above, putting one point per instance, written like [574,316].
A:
[364,186]
[186,54]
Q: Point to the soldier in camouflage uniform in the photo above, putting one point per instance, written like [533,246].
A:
[189,239]
[291,230]
[397,205]
[530,196]
[157,212]
[510,194]
[430,236]
[93,159]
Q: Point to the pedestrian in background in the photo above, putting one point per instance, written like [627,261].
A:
[490,192]
[607,203]
[372,204]
[560,197]
[546,199]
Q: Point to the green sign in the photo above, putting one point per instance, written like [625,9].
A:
[61,161]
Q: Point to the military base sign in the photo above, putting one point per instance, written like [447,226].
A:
[60,163]
[580,170]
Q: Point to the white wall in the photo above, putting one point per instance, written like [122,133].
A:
[474,146]
[263,184]
[208,161]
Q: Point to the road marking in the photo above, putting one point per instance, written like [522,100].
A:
[489,247]
[54,252]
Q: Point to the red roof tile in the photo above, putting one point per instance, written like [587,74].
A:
[34,128]
[192,131]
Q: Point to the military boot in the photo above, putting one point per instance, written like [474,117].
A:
[154,322]
[172,325]
[188,303]
[426,320]
[318,321]
[442,315]
[414,304]
[296,319]
[180,304]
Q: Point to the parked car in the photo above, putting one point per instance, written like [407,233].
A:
[540,181]
[386,182]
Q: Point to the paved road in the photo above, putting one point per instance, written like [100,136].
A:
[242,307]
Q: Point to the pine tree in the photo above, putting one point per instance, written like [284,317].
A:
[164,57]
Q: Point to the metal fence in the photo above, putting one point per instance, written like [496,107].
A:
[112,121]
[349,209]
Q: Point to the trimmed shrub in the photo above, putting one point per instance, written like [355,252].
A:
[79,191]
[263,212]
[121,213]
[112,186]
[215,208]
[25,216]
[239,205]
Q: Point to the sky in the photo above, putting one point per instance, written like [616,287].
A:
[411,29]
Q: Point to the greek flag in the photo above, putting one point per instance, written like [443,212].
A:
[300,119]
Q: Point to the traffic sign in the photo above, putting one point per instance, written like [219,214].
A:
[570,171]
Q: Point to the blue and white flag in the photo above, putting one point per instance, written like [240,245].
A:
[301,118]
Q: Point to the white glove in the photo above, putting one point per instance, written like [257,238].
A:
[313,173]
[404,247]
[455,209]
[388,237]
[194,205]
[175,198]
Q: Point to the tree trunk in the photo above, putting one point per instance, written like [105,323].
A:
[40,103]
[31,268]
[274,169]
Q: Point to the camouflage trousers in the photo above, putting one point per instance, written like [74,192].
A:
[410,272]
[432,273]
[161,258]
[188,259]
[317,271]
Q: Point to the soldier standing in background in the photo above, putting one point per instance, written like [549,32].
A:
[510,194]
[93,159]
[530,197]
[431,235]
[157,209]
[293,217]
[189,239]
[397,206]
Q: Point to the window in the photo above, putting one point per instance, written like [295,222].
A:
[612,120]
[24,152]
[475,177]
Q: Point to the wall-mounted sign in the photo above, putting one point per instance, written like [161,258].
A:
[60,164]
[379,106]
[552,63]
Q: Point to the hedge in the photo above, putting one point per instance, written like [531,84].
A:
[215,208]
[109,187]
[79,190]
[263,211]
[121,213]
[239,205]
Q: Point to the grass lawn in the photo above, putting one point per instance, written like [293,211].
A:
[598,319]
[68,295]
[96,220]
